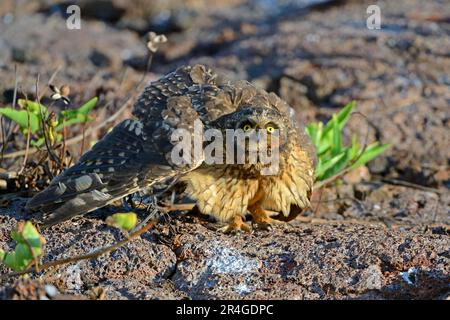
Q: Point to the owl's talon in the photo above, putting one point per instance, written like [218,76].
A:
[266,224]
[237,224]
[263,226]
[261,219]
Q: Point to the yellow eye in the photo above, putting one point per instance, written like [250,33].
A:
[270,129]
[247,128]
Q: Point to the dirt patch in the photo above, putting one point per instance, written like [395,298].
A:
[297,261]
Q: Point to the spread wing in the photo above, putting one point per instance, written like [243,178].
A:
[135,154]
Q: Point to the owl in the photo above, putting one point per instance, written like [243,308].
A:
[138,154]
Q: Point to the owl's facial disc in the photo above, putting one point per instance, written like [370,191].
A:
[265,130]
[262,120]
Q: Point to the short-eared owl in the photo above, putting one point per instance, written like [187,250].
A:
[137,154]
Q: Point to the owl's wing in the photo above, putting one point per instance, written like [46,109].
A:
[135,154]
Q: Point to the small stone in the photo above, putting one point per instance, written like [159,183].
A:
[51,290]
[99,59]
[20,55]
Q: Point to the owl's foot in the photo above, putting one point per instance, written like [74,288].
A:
[236,224]
[261,219]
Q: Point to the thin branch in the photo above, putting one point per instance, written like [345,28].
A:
[64,146]
[90,255]
[7,133]
[84,137]
[28,142]
[51,79]
[410,185]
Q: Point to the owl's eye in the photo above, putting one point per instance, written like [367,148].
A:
[270,129]
[247,128]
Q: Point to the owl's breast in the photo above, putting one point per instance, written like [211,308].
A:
[224,191]
[291,186]
[221,191]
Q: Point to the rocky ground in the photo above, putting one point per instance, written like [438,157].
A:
[382,234]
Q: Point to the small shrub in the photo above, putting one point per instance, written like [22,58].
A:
[333,157]
[32,115]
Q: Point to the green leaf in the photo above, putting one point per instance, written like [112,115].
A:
[355,148]
[80,118]
[337,140]
[37,143]
[10,261]
[21,118]
[32,237]
[314,131]
[333,156]
[23,256]
[88,106]
[16,236]
[337,167]
[81,111]
[33,107]
[2,254]
[328,164]
[29,242]
[126,221]
[372,151]
[341,118]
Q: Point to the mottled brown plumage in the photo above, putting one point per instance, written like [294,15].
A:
[136,154]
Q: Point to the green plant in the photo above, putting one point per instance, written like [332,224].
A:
[126,221]
[32,115]
[333,156]
[28,250]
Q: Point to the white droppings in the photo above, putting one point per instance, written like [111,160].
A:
[229,260]
[73,278]
[373,277]
[242,289]
[50,290]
